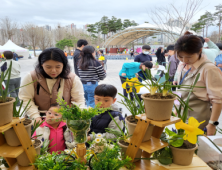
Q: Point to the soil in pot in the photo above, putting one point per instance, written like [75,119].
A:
[158,107]
[6,112]
[131,125]
[184,154]
[124,145]
[23,159]
[11,137]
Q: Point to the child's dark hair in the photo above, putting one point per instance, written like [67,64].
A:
[54,105]
[101,51]
[148,64]
[106,90]
[146,47]
[8,55]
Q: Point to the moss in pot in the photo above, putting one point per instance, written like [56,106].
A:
[135,106]
[10,135]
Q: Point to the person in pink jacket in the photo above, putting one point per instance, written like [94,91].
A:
[55,132]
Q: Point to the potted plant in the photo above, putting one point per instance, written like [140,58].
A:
[22,159]
[58,162]
[122,138]
[135,107]
[6,103]
[99,142]
[78,121]
[10,135]
[109,158]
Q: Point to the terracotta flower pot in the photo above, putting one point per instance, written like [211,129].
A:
[132,126]
[11,137]
[158,109]
[183,156]
[124,148]
[6,111]
[23,159]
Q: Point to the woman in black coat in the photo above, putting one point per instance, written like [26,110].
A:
[160,56]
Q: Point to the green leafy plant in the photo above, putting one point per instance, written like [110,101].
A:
[121,135]
[45,146]
[35,126]
[18,113]
[110,159]
[4,73]
[74,112]
[135,106]
[57,161]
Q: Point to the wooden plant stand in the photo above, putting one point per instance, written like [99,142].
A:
[10,153]
[155,144]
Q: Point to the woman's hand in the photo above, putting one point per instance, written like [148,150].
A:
[211,129]
[38,119]
[88,138]
[174,83]
[123,74]
[206,40]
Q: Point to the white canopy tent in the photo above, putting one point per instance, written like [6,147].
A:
[13,47]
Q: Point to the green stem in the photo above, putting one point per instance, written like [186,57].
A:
[213,143]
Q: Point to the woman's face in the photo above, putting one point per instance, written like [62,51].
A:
[188,58]
[52,68]
[94,54]
[161,50]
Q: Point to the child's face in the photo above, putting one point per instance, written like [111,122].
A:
[106,101]
[52,116]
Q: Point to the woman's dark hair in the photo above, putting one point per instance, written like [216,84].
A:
[158,52]
[189,44]
[54,54]
[81,42]
[8,55]
[106,90]
[219,45]
[86,58]
[101,51]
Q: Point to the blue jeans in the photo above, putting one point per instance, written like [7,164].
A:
[89,89]
[141,75]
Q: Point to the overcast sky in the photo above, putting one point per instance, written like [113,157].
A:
[83,12]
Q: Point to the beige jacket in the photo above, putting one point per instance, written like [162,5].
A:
[28,92]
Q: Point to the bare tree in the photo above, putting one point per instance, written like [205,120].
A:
[214,36]
[173,18]
[8,28]
[44,39]
[32,35]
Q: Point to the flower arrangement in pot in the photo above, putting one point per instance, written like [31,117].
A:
[10,135]
[99,142]
[122,138]
[78,121]
[135,106]
[6,103]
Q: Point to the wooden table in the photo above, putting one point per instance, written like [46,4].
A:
[197,164]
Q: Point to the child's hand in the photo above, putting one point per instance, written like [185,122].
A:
[123,74]
[88,138]
[219,65]
[38,119]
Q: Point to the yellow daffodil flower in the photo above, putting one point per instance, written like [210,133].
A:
[132,83]
[191,129]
